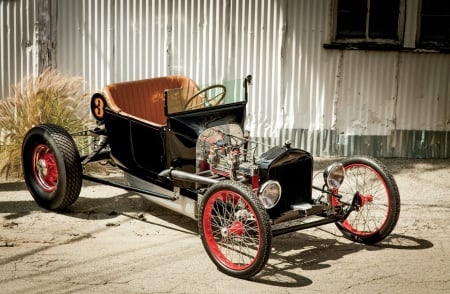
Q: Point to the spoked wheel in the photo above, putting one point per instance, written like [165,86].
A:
[235,229]
[51,166]
[378,200]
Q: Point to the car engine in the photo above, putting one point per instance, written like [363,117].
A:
[224,152]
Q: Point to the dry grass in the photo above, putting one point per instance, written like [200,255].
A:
[48,98]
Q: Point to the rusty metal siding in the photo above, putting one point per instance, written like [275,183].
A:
[17,19]
[84,40]
[424,92]
[367,93]
[329,102]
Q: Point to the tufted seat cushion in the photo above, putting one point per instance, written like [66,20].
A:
[144,99]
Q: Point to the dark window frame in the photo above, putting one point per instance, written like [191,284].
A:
[431,34]
[367,41]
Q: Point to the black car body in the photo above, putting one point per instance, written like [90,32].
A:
[185,149]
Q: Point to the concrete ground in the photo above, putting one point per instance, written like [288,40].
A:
[112,241]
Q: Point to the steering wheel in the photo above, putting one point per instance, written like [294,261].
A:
[206,101]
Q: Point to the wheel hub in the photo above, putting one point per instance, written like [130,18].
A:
[364,199]
[42,167]
[45,168]
[224,232]
[237,228]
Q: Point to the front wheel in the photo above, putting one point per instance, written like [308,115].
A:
[377,200]
[51,166]
[235,229]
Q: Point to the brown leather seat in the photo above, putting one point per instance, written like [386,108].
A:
[144,99]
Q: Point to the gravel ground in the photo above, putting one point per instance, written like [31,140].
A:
[112,241]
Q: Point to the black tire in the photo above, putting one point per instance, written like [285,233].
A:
[379,202]
[51,166]
[235,229]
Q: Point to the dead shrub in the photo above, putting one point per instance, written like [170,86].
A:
[49,98]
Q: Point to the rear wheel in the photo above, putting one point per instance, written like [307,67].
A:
[51,166]
[235,229]
[378,200]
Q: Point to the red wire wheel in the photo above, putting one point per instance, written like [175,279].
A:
[51,166]
[235,229]
[44,168]
[378,200]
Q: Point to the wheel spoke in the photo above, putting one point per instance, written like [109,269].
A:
[234,231]
[374,197]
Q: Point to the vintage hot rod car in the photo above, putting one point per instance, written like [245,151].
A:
[185,149]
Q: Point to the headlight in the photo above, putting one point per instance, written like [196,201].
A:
[270,193]
[334,175]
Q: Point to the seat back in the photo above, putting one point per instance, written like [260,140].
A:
[144,99]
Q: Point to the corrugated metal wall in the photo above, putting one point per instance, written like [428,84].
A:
[330,102]
[278,42]
[17,19]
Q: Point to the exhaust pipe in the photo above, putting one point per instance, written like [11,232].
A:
[185,176]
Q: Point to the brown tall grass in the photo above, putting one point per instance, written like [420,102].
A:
[49,98]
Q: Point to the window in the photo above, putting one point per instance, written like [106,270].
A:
[367,20]
[390,25]
[435,23]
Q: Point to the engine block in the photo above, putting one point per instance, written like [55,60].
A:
[225,153]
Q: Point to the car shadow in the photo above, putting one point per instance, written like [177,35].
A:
[131,206]
[127,204]
[13,186]
[309,252]
[289,252]
[85,208]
